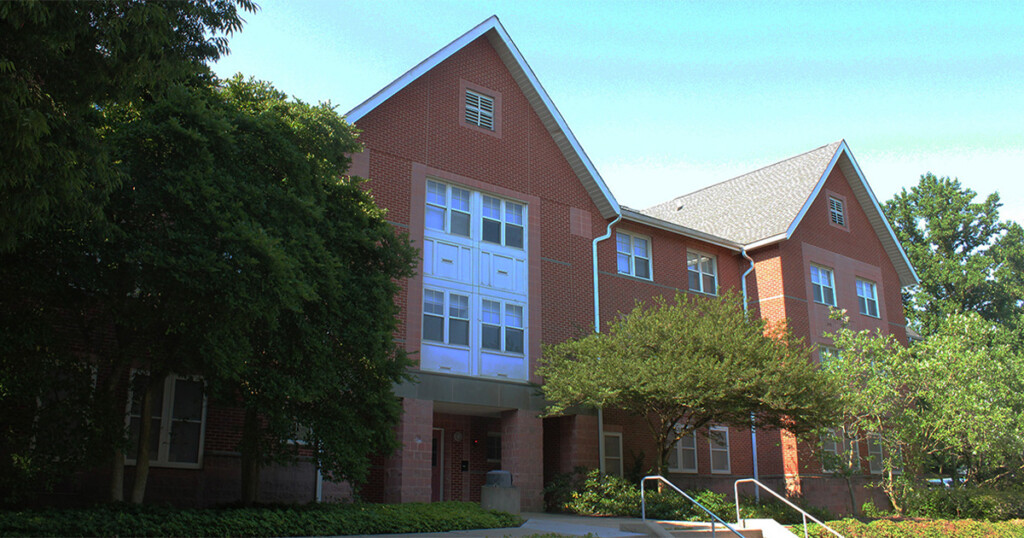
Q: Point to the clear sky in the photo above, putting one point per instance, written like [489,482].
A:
[668,97]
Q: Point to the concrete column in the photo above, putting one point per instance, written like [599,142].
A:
[408,470]
[522,454]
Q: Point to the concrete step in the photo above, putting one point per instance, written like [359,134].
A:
[769,528]
[685,529]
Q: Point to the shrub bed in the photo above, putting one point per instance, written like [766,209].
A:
[306,520]
[885,528]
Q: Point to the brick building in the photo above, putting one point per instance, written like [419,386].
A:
[523,244]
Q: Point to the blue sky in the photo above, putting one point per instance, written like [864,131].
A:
[669,97]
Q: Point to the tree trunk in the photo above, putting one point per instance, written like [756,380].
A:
[853,498]
[145,430]
[117,475]
[250,447]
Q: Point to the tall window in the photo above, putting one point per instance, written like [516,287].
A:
[178,422]
[634,255]
[494,447]
[439,306]
[684,458]
[502,332]
[703,271]
[479,110]
[447,209]
[875,463]
[503,222]
[827,353]
[867,298]
[719,437]
[839,451]
[613,453]
[835,211]
[822,285]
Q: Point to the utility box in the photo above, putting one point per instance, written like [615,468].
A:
[498,493]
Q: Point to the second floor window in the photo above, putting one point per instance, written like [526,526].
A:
[867,298]
[502,327]
[503,222]
[822,285]
[633,255]
[703,272]
[447,209]
[443,311]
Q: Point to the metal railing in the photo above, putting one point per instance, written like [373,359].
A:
[736,495]
[643,504]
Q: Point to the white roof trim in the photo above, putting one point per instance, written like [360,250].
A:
[843,149]
[609,208]
[654,222]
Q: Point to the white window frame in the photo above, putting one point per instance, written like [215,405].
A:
[620,459]
[831,443]
[827,353]
[678,449]
[448,318]
[711,445]
[503,325]
[867,297]
[700,258]
[166,424]
[631,256]
[875,453]
[479,110]
[506,209]
[836,211]
[817,271]
[449,207]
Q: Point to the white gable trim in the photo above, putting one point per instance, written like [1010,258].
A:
[581,164]
[843,149]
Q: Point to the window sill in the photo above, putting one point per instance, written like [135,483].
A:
[870,316]
[824,304]
[683,471]
[704,293]
[721,472]
[634,277]
[168,465]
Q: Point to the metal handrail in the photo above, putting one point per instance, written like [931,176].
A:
[736,495]
[643,504]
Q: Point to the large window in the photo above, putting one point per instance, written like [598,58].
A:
[839,451]
[448,209]
[634,255]
[502,326]
[823,286]
[703,271]
[613,453]
[875,463]
[439,307]
[503,222]
[867,298]
[178,422]
[683,459]
[719,437]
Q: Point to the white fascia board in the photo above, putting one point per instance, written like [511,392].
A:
[878,208]
[636,216]
[492,23]
[766,241]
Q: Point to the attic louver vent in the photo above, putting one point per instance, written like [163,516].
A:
[479,110]
[835,209]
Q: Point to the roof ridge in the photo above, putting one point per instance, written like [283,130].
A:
[745,174]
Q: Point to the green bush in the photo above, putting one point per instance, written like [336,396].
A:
[965,503]
[885,528]
[307,520]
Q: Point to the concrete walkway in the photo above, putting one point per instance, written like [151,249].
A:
[541,523]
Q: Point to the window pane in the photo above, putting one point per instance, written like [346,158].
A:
[184,442]
[640,247]
[433,328]
[460,199]
[673,458]
[689,459]
[643,268]
[622,243]
[612,446]
[513,340]
[491,337]
[709,284]
[694,280]
[816,290]
[623,263]
[492,208]
[435,218]
[492,312]
[459,306]
[460,223]
[873,308]
[492,231]
[435,193]
[188,399]
[513,236]
[863,305]
[719,460]
[433,302]
[513,213]
[513,315]
[458,332]
[829,297]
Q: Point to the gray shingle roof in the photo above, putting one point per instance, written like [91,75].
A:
[754,206]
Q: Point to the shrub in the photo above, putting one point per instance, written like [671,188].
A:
[307,520]
[885,528]
[965,503]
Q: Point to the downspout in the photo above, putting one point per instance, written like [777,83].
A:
[597,329]
[753,428]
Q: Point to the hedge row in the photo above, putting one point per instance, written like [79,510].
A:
[308,520]
[964,528]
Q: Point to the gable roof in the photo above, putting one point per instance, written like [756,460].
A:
[531,88]
[766,206]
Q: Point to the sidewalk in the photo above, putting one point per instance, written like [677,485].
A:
[541,523]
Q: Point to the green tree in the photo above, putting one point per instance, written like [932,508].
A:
[968,260]
[687,364]
[61,64]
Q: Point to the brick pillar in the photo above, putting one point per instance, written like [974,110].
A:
[791,464]
[407,472]
[522,454]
